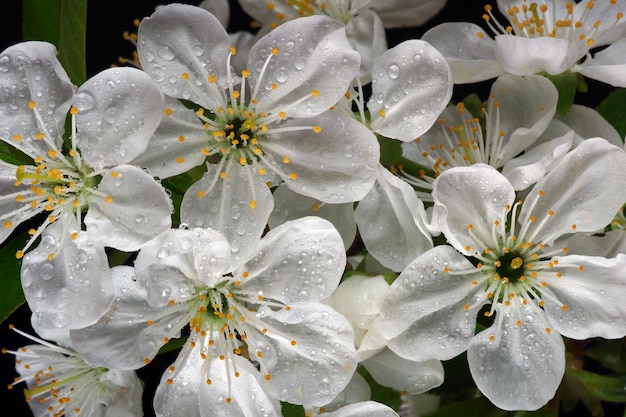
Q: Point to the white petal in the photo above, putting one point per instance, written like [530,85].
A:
[425,315]
[31,71]
[308,351]
[595,297]
[199,254]
[219,9]
[179,394]
[118,111]
[139,210]
[608,65]
[585,189]
[162,157]
[471,58]
[336,165]
[366,33]
[73,288]
[8,203]
[522,367]
[530,167]
[313,54]
[391,221]
[179,39]
[588,123]
[246,391]
[227,206]
[608,245]
[361,409]
[122,337]
[395,372]
[526,107]
[265,15]
[291,206]
[411,85]
[476,195]
[357,390]
[523,56]
[301,260]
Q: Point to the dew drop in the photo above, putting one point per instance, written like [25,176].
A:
[4,63]
[166,53]
[46,272]
[393,71]
[163,253]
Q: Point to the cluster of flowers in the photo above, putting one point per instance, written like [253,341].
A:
[494,234]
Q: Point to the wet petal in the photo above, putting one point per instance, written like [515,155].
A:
[336,165]
[67,282]
[313,55]
[411,85]
[139,209]
[522,367]
[118,111]
[523,56]
[391,222]
[301,260]
[32,72]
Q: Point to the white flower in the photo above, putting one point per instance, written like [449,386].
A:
[536,290]
[360,409]
[517,139]
[113,115]
[539,37]
[360,299]
[265,308]
[275,122]
[411,85]
[60,382]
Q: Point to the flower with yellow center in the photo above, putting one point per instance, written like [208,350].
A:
[271,124]
[503,261]
[540,37]
[262,310]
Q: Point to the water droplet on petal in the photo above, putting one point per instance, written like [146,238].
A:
[393,71]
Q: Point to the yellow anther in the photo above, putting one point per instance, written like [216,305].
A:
[516,263]
[184,76]
[317,129]
[252,204]
[274,51]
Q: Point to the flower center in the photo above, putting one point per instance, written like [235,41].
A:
[54,184]
[540,19]
[339,10]
[510,265]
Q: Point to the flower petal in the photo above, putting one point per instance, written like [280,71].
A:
[301,260]
[430,313]
[32,72]
[588,123]
[366,33]
[176,146]
[178,39]
[139,209]
[524,56]
[390,370]
[241,396]
[522,367]
[593,290]
[471,56]
[313,55]
[308,352]
[199,254]
[411,85]
[118,111]
[364,408]
[392,222]
[291,206]
[468,200]
[67,283]
[584,192]
[336,165]
[608,65]
[132,331]
[237,206]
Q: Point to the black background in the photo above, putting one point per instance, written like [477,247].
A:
[107,20]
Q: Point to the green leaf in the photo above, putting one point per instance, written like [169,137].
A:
[41,19]
[613,109]
[64,24]
[604,388]
[12,155]
[11,295]
[567,84]
[73,39]
[390,150]
[292,410]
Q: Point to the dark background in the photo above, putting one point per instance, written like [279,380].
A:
[107,21]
